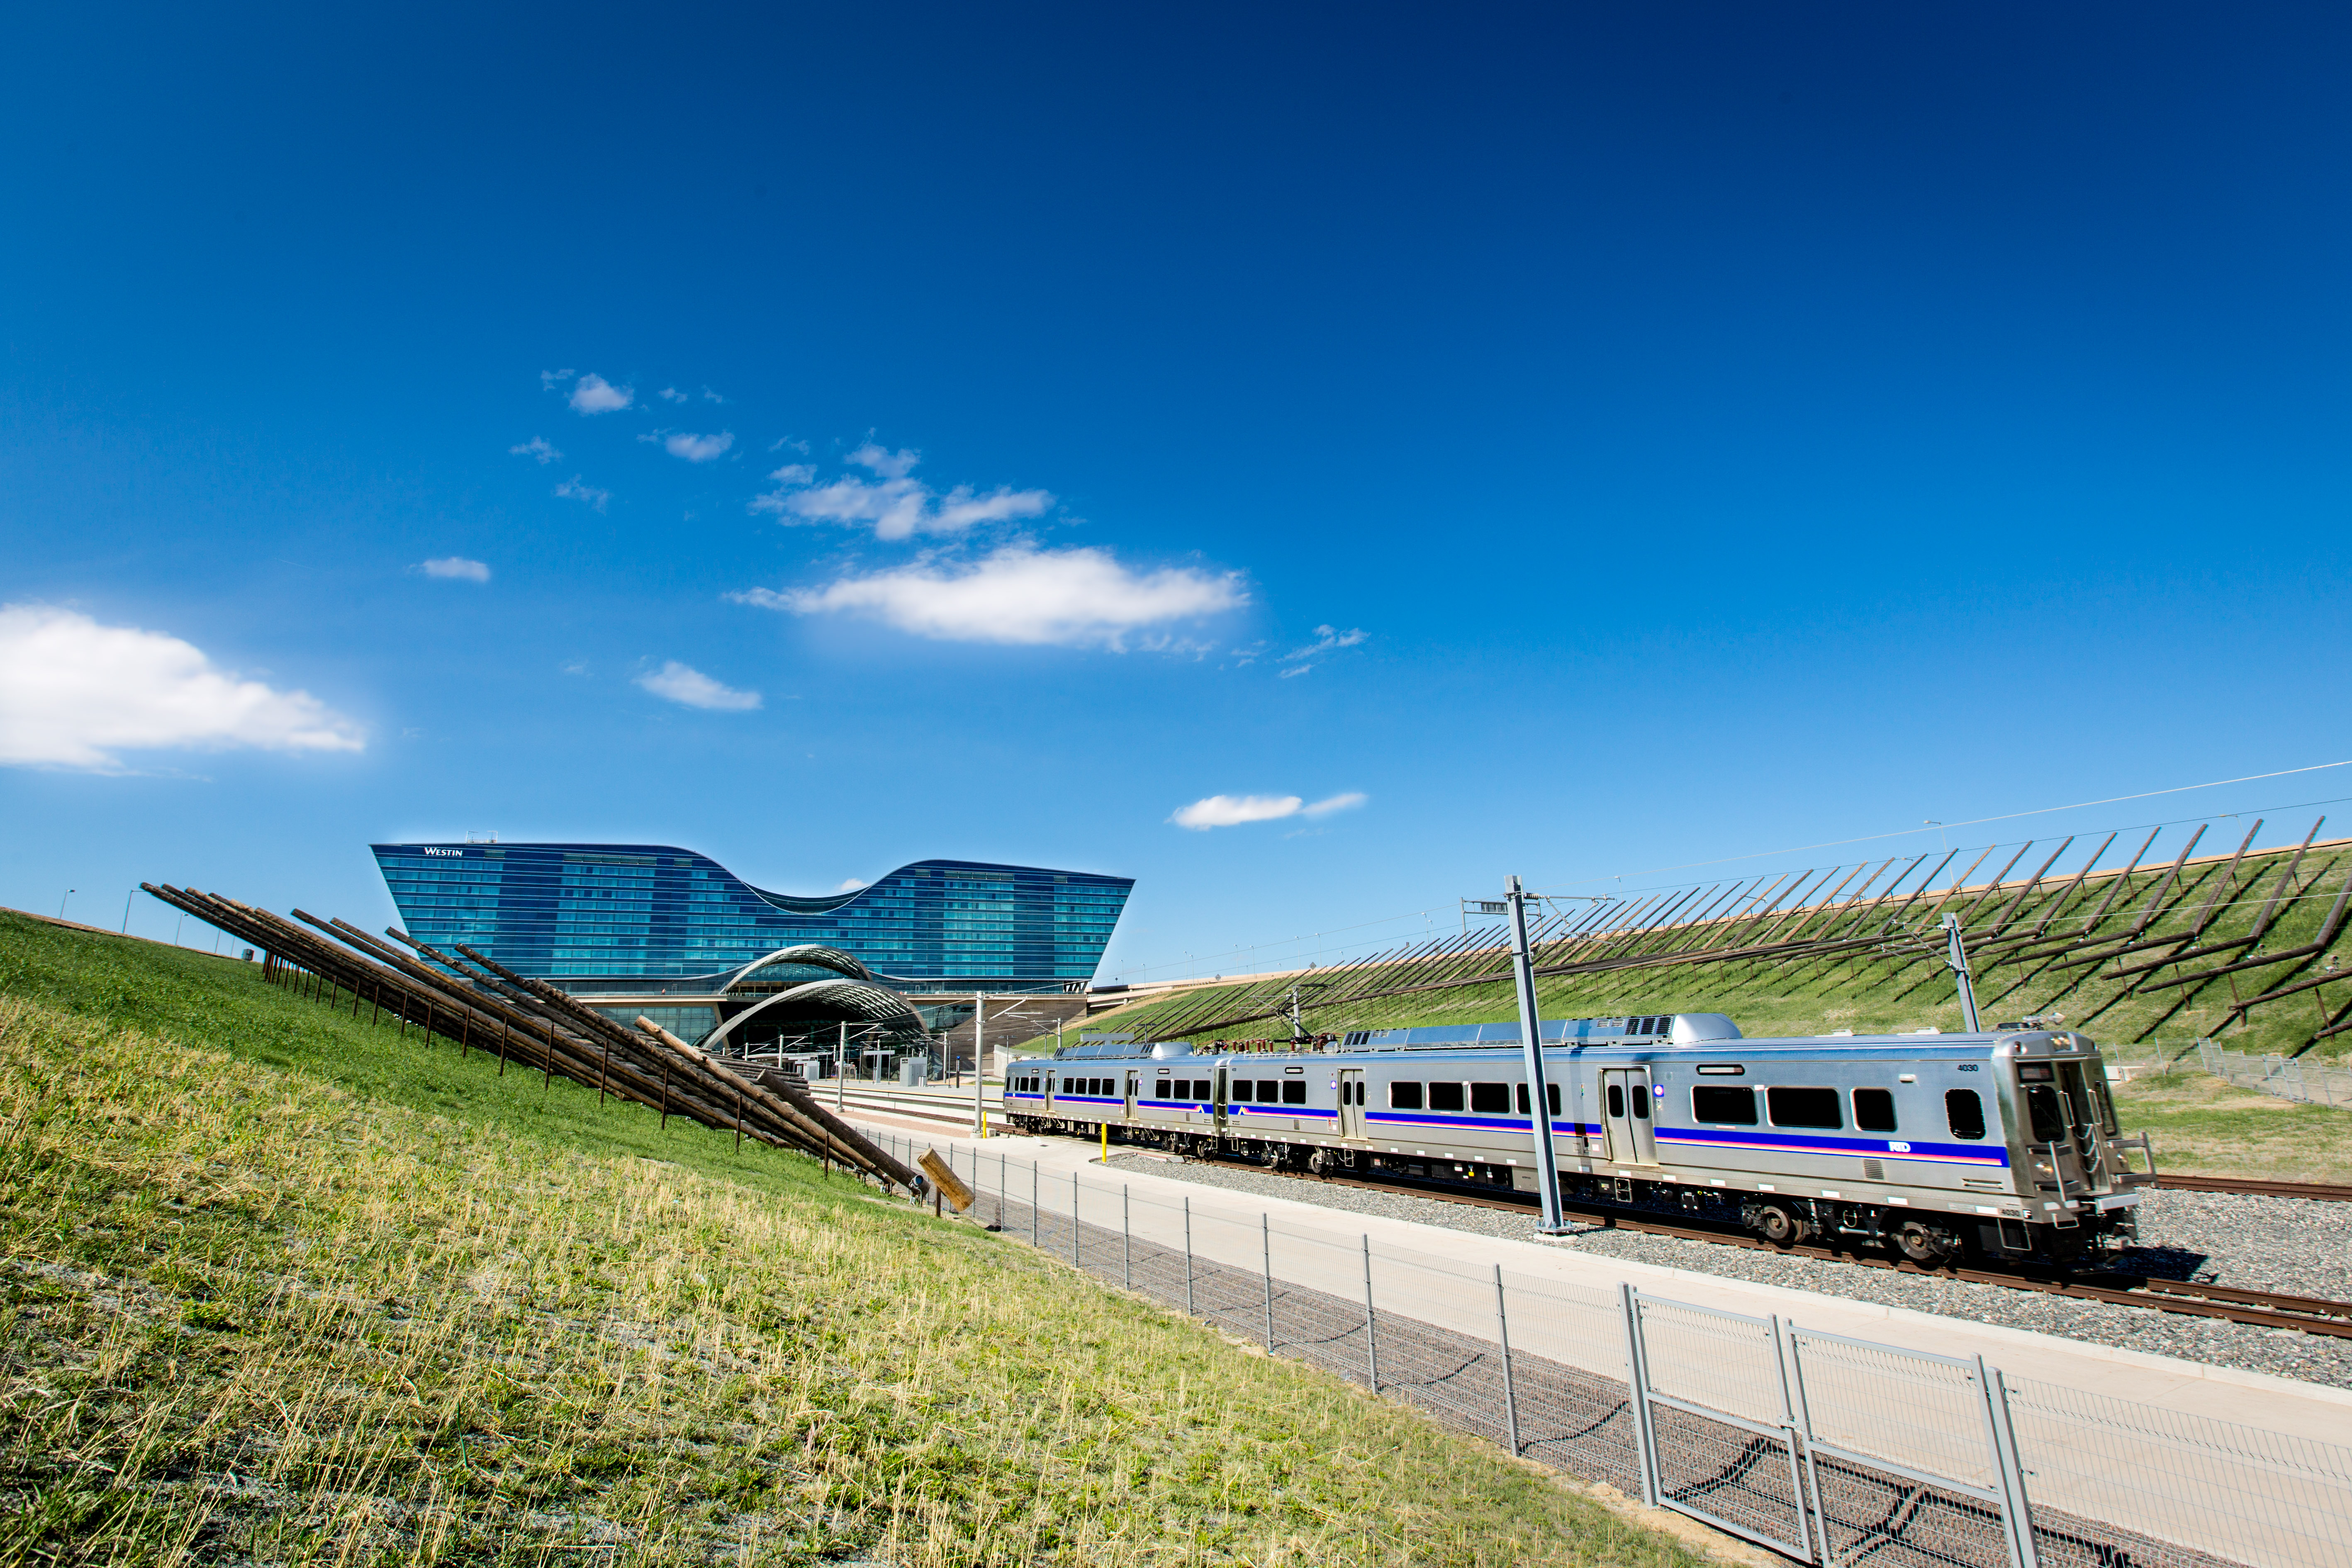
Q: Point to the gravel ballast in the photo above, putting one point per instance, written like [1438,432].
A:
[2288,1244]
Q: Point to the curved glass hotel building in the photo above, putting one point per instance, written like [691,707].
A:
[652,920]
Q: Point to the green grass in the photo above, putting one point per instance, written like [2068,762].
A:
[281,1287]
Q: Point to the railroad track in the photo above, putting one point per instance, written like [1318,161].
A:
[2310,1315]
[2319,1192]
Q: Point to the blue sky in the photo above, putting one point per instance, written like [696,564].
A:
[1599,439]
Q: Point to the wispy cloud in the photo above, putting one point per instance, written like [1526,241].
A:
[548,380]
[1233,810]
[1295,670]
[1019,594]
[537,447]
[897,505]
[794,443]
[671,395]
[1326,639]
[849,885]
[686,685]
[572,489]
[76,694]
[698,448]
[594,394]
[459,567]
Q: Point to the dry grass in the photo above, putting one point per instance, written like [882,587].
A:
[247,1315]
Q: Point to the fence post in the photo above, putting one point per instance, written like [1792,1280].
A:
[1033,1202]
[1188,1256]
[1372,1334]
[999,1190]
[1266,1254]
[1126,1243]
[1511,1395]
[1074,1222]
[2016,1513]
[1637,1384]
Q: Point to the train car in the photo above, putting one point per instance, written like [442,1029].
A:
[2000,1144]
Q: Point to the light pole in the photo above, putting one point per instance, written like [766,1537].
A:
[1531,1038]
[1940,842]
[126,910]
[978,1063]
[62,902]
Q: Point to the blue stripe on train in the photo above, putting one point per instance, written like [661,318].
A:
[1794,1144]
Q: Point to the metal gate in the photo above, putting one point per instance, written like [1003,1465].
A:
[1830,1449]
[1908,1454]
[1716,1430]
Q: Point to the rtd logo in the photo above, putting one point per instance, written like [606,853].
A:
[429,850]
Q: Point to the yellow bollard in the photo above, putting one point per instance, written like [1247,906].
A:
[1105,1153]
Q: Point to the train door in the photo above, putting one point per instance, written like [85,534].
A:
[1351,1102]
[1217,1104]
[1130,1096]
[1049,1091]
[1625,1114]
[2052,1114]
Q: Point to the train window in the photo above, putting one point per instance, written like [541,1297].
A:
[1491,1098]
[1873,1111]
[1404,1097]
[1445,1097]
[1616,1101]
[1725,1107]
[1803,1107]
[1640,1105]
[2033,1074]
[1294,1093]
[1241,1089]
[1269,1091]
[1552,1097]
[2048,1116]
[1964,1113]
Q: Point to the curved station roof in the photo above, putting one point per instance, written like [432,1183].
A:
[652,919]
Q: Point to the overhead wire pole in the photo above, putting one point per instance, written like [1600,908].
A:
[1531,1040]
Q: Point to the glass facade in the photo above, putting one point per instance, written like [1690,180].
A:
[652,913]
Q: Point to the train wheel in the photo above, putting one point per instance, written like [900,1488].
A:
[1923,1244]
[1320,1162]
[1780,1225]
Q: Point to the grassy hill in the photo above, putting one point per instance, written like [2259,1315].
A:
[2198,1123]
[281,1287]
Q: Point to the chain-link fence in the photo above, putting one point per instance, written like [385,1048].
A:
[1825,1448]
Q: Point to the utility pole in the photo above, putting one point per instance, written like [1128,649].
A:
[979,1072]
[126,910]
[840,1064]
[1956,959]
[1531,1039]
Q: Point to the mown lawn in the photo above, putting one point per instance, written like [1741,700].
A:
[280,1287]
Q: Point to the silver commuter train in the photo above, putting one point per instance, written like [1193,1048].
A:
[2002,1144]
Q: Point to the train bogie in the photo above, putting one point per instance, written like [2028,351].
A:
[2002,1145]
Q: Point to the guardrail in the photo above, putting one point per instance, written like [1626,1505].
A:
[1828,1449]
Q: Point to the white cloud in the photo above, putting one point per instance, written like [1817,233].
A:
[1326,639]
[1233,810]
[1294,670]
[572,489]
[594,394]
[897,505]
[684,684]
[780,442]
[1347,801]
[457,566]
[711,396]
[849,885]
[890,465]
[548,380]
[1019,594]
[74,693]
[699,448]
[536,447]
[670,394]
